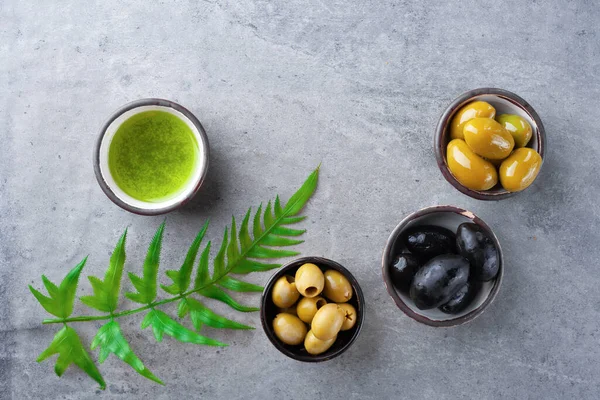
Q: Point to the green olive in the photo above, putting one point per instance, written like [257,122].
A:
[468,168]
[315,346]
[307,307]
[328,321]
[476,109]
[519,170]
[289,329]
[284,292]
[309,280]
[337,287]
[350,316]
[518,127]
[488,138]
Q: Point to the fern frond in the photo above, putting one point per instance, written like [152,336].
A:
[242,250]
[239,252]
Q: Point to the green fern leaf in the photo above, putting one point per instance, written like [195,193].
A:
[277,207]
[106,292]
[245,239]
[111,340]
[202,275]
[243,250]
[67,345]
[183,309]
[299,199]
[200,314]
[181,277]
[233,251]
[240,252]
[219,263]
[285,231]
[279,241]
[163,324]
[214,292]
[146,285]
[268,217]
[239,286]
[246,266]
[263,252]
[292,220]
[256,226]
[60,302]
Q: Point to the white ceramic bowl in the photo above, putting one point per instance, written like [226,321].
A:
[107,182]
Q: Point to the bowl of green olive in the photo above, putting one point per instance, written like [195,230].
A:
[442,266]
[489,144]
[312,309]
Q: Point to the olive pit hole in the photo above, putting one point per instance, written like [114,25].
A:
[290,279]
[311,291]
[321,303]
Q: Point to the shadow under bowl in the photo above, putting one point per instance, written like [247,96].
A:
[449,217]
[344,340]
[504,102]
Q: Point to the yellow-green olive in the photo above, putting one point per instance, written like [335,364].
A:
[468,168]
[315,346]
[487,138]
[307,307]
[285,293]
[289,310]
[350,316]
[289,329]
[520,169]
[337,287]
[328,321]
[476,109]
[309,280]
[518,127]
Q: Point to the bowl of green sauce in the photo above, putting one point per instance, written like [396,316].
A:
[151,156]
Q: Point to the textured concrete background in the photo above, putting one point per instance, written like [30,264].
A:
[356,85]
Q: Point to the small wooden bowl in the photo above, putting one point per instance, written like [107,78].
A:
[504,102]
[449,217]
[344,340]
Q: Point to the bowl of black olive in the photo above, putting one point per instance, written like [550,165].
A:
[442,265]
[312,309]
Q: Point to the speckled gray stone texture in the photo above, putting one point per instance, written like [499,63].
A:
[281,87]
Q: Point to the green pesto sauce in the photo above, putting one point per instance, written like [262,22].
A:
[152,156]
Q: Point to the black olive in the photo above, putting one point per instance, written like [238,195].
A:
[461,299]
[475,245]
[403,269]
[428,241]
[438,280]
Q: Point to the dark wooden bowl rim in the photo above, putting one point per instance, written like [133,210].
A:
[295,351]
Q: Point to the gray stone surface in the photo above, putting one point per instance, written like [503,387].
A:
[356,85]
